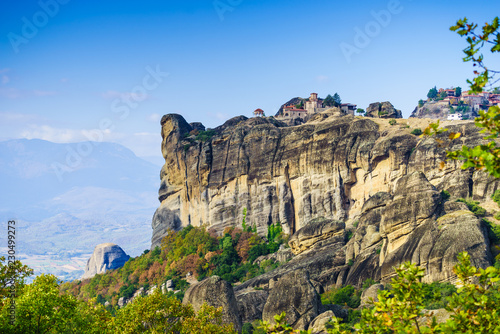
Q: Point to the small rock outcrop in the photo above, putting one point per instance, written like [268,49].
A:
[217,293]
[383,110]
[294,294]
[105,257]
[318,325]
[371,294]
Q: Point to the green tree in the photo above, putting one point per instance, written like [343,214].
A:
[360,111]
[486,156]
[329,101]
[433,93]
[458,92]
[91,317]
[208,320]
[420,103]
[41,308]
[473,307]
[156,313]
[400,309]
[443,94]
[337,100]
[476,41]
[13,273]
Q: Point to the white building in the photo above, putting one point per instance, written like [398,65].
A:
[455,117]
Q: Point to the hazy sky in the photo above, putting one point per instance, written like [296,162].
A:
[74,70]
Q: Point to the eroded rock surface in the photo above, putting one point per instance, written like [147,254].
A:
[251,304]
[217,293]
[294,294]
[357,195]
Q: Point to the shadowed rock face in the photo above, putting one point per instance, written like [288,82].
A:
[105,257]
[294,294]
[251,304]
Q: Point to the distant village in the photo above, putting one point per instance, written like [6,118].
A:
[475,102]
[456,105]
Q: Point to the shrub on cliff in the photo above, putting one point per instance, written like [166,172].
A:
[473,206]
[496,197]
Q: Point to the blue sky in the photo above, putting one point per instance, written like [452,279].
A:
[107,70]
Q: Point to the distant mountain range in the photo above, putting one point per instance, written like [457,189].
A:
[67,198]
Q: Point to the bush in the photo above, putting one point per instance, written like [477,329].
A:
[368,283]
[473,206]
[436,295]
[247,328]
[496,197]
[416,132]
[497,215]
[493,231]
[347,295]
[205,135]
[445,195]
[474,306]
[392,121]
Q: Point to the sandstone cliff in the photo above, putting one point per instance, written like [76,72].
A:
[328,167]
[344,169]
[357,195]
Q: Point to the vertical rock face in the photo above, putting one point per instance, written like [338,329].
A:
[217,293]
[328,167]
[251,303]
[105,257]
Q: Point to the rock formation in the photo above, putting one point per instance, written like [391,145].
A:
[318,325]
[328,167]
[371,294]
[217,293]
[357,195]
[294,294]
[383,110]
[105,257]
[251,304]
